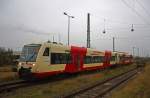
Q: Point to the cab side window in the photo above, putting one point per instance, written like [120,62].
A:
[46,52]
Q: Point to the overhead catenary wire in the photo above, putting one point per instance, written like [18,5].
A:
[128,24]
[125,38]
[124,26]
[136,12]
[142,6]
[123,22]
[114,21]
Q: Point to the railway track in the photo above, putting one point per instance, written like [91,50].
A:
[13,85]
[100,89]
[9,86]
[87,92]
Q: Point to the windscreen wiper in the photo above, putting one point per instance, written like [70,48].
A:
[31,57]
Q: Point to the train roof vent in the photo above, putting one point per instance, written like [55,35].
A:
[48,41]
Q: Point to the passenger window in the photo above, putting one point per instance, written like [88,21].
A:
[88,60]
[46,52]
[60,58]
[112,58]
[94,59]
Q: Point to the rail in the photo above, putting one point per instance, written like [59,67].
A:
[101,88]
[8,86]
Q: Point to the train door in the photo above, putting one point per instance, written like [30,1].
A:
[107,58]
[77,54]
[77,61]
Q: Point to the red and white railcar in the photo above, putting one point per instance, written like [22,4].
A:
[47,59]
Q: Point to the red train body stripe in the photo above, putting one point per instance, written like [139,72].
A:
[46,74]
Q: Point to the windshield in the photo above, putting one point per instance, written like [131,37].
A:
[29,53]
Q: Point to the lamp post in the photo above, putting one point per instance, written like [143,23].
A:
[113,44]
[138,52]
[133,51]
[69,16]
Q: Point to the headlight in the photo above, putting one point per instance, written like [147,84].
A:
[20,64]
[33,65]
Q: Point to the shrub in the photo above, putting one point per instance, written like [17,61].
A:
[6,56]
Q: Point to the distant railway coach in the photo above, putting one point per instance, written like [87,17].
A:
[47,59]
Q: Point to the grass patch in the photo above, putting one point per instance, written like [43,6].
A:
[137,88]
[7,74]
[6,69]
[54,89]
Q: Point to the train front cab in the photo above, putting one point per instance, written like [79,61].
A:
[28,59]
[49,60]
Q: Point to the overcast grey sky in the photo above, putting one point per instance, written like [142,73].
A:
[32,21]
